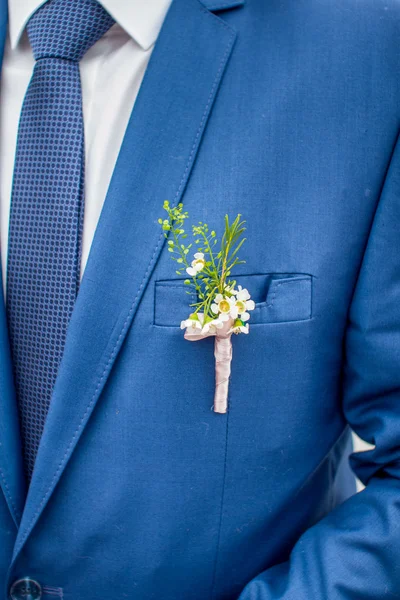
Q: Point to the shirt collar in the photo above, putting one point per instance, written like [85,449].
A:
[141,19]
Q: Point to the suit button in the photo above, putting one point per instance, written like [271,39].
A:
[25,589]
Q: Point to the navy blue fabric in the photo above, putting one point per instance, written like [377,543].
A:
[47,206]
[287,112]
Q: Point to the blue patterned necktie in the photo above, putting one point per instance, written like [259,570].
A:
[46,218]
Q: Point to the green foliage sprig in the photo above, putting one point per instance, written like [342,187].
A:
[210,270]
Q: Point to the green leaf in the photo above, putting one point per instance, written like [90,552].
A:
[240,244]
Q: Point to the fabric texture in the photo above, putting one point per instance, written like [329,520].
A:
[287,113]
[47,207]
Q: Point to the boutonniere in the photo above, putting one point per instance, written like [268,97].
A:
[221,309]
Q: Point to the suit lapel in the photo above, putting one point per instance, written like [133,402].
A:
[154,163]
[12,480]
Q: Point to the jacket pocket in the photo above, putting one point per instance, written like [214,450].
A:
[279,297]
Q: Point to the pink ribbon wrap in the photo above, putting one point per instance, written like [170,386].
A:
[223,359]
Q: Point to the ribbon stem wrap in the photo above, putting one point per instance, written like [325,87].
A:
[223,359]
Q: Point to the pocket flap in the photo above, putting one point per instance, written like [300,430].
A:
[289,299]
[279,297]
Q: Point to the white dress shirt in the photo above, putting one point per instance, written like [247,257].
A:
[111,74]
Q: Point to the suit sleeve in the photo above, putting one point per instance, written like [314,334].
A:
[354,552]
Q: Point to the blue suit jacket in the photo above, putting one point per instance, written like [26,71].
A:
[286,111]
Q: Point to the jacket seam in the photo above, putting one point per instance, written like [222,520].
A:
[8,495]
[216,560]
[384,178]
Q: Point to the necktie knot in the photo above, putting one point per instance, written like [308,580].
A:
[67,28]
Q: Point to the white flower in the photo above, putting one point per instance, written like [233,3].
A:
[192,323]
[229,289]
[239,327]
[243,303]
[224,307]
[198,264]
[212,326]
[242,293]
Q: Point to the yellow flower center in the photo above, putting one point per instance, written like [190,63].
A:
[241,306]
[224,306]
[198,261]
